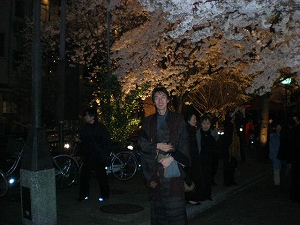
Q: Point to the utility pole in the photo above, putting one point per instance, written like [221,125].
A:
[38,191]
[62,74]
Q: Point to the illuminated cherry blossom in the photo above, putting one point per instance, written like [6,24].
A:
[264,35]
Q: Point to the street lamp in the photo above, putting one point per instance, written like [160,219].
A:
[38,193]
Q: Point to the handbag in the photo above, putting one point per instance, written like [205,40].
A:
[172,170]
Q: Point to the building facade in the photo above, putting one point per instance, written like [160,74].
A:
[15,104]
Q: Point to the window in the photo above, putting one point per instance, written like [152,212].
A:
[9,107]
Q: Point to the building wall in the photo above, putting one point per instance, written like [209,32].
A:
[12,21]
[4,37]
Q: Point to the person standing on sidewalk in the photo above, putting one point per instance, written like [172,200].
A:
[284,155]
[295,160]
[229,148]
[206,137]
[164,145]
[274,146]
[240,124]
[216,153]
[94,147]
[191,120]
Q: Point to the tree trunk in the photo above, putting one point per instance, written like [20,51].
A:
[176,104]
[264,121]
[179,106]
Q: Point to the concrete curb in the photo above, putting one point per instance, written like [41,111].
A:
[193,210]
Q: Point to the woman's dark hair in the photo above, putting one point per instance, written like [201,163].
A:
[206,117]
[189,116]
[228,116]
[160,89]
[92,112]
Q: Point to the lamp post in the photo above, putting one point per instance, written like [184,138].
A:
[62,74]
[285,82]
[37,172]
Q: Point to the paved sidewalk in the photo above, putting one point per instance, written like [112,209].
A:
[132,196]
[248,172]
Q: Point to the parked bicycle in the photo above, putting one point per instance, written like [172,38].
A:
[66,169]
[10,167]
[123,164]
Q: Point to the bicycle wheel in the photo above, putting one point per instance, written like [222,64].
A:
[3,184]
[66,170]
[124,166]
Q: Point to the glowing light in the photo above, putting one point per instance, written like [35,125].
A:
[67,145]
[11,181]
[287,80]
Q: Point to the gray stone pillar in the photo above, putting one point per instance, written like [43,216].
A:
[38,195]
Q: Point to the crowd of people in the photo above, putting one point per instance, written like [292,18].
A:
[196,148]
[208,148]
[284,153]
[180,156]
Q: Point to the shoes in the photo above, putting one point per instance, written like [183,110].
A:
[82,198]
[194,203]
[102,199]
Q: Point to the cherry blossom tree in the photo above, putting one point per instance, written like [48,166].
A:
[181,65]
[184,45]
[251,33]
[262,37]
[223,91]
[269,30]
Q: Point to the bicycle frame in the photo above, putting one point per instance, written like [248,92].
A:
[122,165]
[11,174]
[8,176]
[16,161]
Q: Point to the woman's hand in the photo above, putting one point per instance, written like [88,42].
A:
[164,147]
[153,184]
[166,161]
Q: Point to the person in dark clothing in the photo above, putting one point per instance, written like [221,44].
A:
[274,145]
[216,153]
[191,120]
[284,155]
[207,144]
[250,133]
[201,161]
[164,143]
[294,145]
[228,168]
[95,147]
[240,124]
